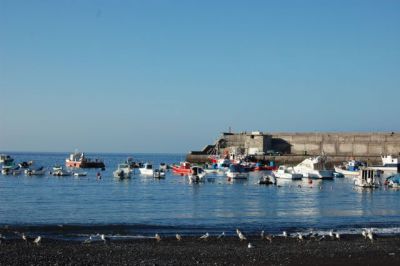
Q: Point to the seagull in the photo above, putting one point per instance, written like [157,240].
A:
[205,236]
[364,234]
[157,237]
[104,238]
[331,234]
[178,237]
[37,240]
[300,237]
[250,245]
[88,241]
[24,237]
[240,235]
[262,234]
[337,235]
[321,238]
[221,235]
[371,235]
[269,238]
[284,233]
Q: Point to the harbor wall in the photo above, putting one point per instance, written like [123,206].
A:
[294,147]
[337,144]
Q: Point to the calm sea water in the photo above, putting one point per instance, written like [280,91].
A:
[143,205]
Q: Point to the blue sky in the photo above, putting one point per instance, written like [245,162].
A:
[169,76]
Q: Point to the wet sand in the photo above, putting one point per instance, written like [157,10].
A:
[351,250]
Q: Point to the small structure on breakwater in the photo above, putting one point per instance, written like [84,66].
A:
[294,147]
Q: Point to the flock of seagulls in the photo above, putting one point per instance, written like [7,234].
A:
[367,234]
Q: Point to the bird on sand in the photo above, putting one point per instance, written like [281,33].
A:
[178,237]
[37,240]
[240,235]
[104,238]
[371,235]
[331,234]
[269,238]
[284,234]
[205,236]
[88,241]
[24,237]
[221,235]
[157,237]
[364,234]
[337,236]
[250,245]
[262,234]
[300,237]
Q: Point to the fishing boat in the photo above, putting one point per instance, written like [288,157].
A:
[350,168]
[367,178]
[123,171]
[146,169]
[237,171]
[314,168]
[79,160]
[184,168]
[38,171]
[6,159]
[197,175]
[390,164]
[159,173]
[285,172]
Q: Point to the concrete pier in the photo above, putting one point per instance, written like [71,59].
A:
[294,147]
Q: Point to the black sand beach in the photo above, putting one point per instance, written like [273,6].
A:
[351,250]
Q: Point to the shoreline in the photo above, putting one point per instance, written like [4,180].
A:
[349,250]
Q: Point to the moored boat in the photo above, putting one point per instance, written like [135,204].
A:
[159,173]
[237,171]
[197,174]
[38,171]
[390,164]
[393,181]
[60,171]
[183,169]
[79,160]
[146,169]
[267,180]
[285,172]
[123,171]
[6,159]
[367,178]
[314,168]
[350,168]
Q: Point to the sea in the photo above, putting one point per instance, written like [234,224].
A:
[76,207]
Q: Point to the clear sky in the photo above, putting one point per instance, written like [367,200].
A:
[170,76]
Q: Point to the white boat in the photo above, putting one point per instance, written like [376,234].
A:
[197,174]
[16,170]
[6,159]
[146,169]
[389,164]
[314,168]
[159,173]
[367,178]
[80,174]
[123,171]
[349,168]
[6,169]
[59,171]
[285,172]
[237,171]
[38,171]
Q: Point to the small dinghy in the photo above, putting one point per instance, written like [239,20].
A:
[267,180]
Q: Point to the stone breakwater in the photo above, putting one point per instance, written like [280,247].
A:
[339,146]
